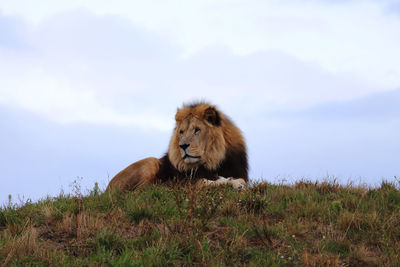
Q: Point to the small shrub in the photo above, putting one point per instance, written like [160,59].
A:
[109,240]
[337,247]
[256,203]
[138,214]
[96,189]
[336,206]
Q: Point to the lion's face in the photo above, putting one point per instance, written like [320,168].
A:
[192,140]
[197,140]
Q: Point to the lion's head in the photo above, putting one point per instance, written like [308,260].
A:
[202,137]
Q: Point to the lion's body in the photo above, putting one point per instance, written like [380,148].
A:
[205,145]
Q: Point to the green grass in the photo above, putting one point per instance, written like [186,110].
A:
[305,224]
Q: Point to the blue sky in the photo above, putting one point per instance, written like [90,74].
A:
[88,88]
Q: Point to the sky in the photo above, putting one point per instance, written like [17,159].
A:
[88,87]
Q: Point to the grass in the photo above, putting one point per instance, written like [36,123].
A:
[305,224]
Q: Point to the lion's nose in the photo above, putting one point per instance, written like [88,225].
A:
[184,146]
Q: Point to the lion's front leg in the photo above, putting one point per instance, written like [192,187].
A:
[238,183]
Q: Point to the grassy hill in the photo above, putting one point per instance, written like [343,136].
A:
[305,224]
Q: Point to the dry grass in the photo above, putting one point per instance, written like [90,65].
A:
[20,245]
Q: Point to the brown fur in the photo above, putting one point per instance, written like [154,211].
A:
[136,174]
[213,146]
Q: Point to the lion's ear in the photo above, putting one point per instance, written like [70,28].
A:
[212,116]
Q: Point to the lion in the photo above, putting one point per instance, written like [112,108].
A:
[206,148]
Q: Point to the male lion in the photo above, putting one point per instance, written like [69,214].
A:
[205,147]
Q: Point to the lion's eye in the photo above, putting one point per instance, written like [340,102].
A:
[196,130]
[181,132]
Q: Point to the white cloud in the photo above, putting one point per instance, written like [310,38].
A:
[52,98]
[358,37]
[81,67]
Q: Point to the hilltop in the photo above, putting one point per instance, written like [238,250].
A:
[304,224]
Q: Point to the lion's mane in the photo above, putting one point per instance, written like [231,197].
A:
[225,153]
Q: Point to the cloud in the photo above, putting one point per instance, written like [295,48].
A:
[71,69]
[393,7]
[103,69]
[357,37]
[12,33]
[378,107]
[40,158]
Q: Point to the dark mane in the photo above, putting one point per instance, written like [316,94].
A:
[234,165]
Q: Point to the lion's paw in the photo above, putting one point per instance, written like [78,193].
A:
[235,183]
[238,184]
[204,182]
